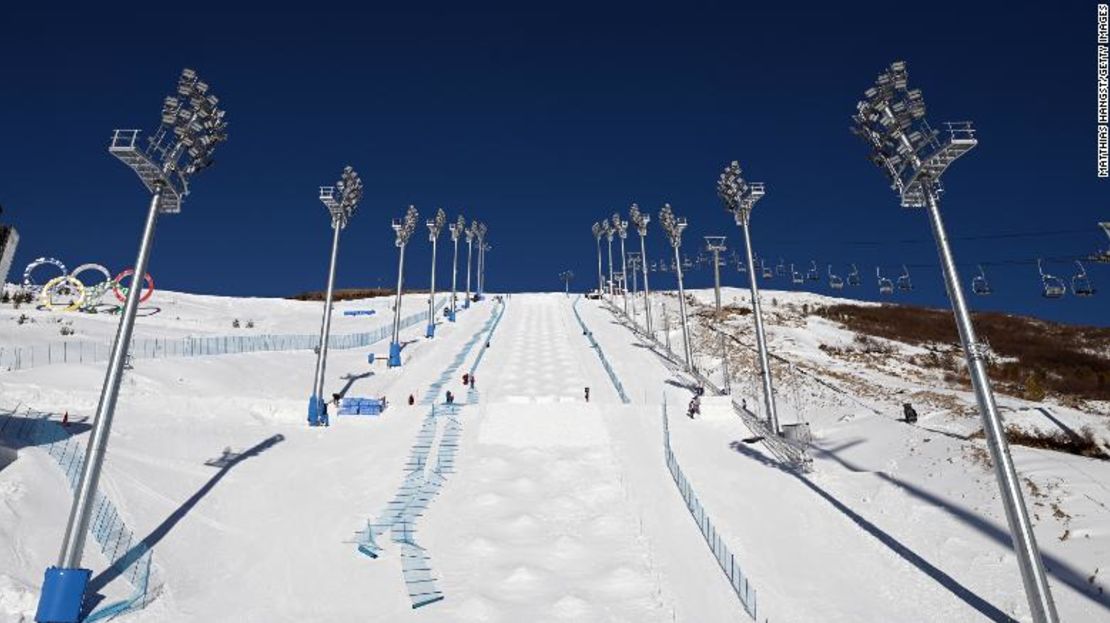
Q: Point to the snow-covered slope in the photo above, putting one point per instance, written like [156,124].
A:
[557,509]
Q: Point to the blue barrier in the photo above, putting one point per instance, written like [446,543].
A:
[106,526]
[601,355]
[739,582]
[77,351]
[361,406]
[424,478]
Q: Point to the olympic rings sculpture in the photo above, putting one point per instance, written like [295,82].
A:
[122,290]
[88,297]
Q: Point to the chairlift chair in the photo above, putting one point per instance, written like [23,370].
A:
[1052,287]
[1080,283]
[853,277]
[813,275]
[835,282]
[796,277]
[979,285]
[780,270]
[768,272]
[886,286]
[904,283]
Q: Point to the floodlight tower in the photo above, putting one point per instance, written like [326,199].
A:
[641,220]
[482,266]
[470,233]
[480,233]
[342,208]
[435,225]
[673,227]
[891,118]
[739,198]
[566,276]
[456,229]
[621,227]
[191,128]
[599,231]
[609,231]
[403,227]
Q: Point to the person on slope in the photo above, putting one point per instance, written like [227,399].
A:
[466,378]
[587,394]
[412,400]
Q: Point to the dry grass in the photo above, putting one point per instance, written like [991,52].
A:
[1066,360]
[349,294]
[1082,443]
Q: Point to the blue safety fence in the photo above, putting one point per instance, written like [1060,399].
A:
[725,558]
[600,354]
[34,428]
[80,351]
[431,459]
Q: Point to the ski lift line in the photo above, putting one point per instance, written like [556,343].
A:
[1002,236]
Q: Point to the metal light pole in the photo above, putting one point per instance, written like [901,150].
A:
[609,231]
[599,231]
[470,231]
[673,227]
[621,228]
[192,126]
[456,229]
[341,209]
[641,220]
[480,232]
[891,118]
[634,263]
[403,227]
[566,276]
[482,266]
[739,198]
[434,227]
[716,244]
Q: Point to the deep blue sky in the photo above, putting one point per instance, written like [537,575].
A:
[541,119]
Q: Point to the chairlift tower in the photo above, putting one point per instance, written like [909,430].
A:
[641,220]
[341,200]
[739,197]
[891,119]
[673,226]
[403,228]
[486,248]
[716,245]
[435,226]
[457,228]
[621,227]
[192,126]
[634,261]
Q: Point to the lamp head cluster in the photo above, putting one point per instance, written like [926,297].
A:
[404,227]
[342,199]
[599,230]
[457,228]
[672,225]
[620,227]
[435,225]
[891,120]
[738,195]
[639,219]
[192,126]
[566,275]
[480,230]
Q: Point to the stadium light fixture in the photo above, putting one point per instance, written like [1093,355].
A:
[341,200]
[470,234]
[191,128]
[599,231]
[457,229]
[403,228]
[641,220]
[566,276]
[673,227]
[480,234]
[891,119]
[435,226]
[739,198]
[621,228]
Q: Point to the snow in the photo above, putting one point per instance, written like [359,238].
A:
[557,509]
